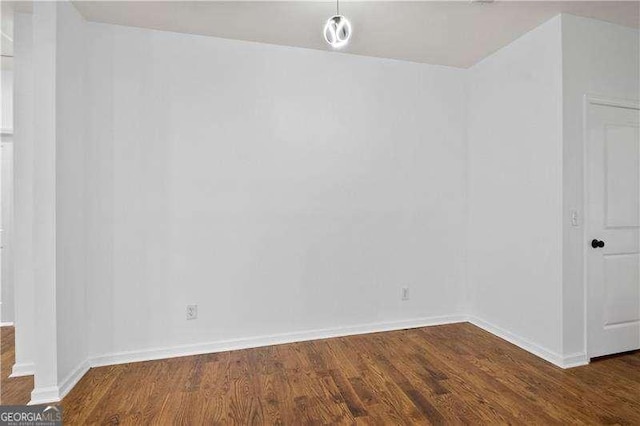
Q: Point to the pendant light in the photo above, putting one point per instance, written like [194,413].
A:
[337,30]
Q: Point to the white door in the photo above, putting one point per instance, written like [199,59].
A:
[612,229]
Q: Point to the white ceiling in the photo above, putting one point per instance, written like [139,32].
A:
[455,33]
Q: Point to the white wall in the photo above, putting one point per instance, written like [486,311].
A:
[599,59]
[515,189]
[280,189]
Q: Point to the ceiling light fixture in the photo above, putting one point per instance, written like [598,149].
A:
[337,30]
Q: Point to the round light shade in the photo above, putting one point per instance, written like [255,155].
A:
[337,31]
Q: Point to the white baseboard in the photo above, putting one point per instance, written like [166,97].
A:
[259,341]
[46,395]
[577,359]
[73,378]
[24,369]
[569,361]
[6,324]
[56,393]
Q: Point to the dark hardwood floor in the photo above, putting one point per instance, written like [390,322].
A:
[17,390]
[448,374]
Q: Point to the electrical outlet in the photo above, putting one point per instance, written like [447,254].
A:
[192,312]
[405,293]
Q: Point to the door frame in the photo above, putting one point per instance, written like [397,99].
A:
[589,101]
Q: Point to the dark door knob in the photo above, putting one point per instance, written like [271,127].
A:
[597,243]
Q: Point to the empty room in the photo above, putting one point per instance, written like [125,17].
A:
[320,212]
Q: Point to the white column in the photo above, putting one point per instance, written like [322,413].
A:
[44,193]
[23,195]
